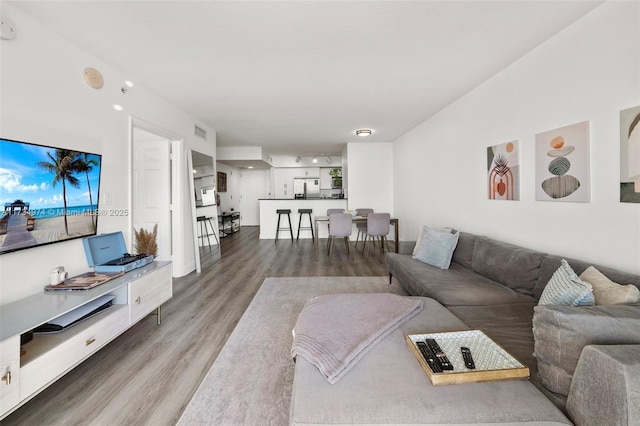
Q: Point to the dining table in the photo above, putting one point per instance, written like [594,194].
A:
[355,219]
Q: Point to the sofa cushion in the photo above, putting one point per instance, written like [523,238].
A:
[436,248]
[513,266]
[606,386]
[606,292]
[561,332]
[565,288]
[454,286]
[463,254]
[551,263]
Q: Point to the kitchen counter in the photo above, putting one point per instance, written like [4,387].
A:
[269,217]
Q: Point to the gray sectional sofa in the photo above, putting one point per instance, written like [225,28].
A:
[495,287]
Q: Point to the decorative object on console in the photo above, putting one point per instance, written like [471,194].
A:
[503,171]
[552,165]
[85,281]
[146,242]
[630,155]
[567,289]
[437,247]
[108,253]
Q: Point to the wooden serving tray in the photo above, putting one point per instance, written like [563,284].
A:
[492,361]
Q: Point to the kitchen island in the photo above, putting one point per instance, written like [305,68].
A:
[269,217]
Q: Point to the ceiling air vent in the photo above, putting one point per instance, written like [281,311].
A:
[201,132]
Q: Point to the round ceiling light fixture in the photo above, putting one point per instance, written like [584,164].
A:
[363,132]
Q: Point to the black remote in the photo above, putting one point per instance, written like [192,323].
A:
[429,357]
[441,358]
[468,359]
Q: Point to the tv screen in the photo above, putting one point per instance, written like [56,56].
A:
[48,194]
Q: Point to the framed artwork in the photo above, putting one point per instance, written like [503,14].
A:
[630,155]
[222,182]
[503,171]
[562,164]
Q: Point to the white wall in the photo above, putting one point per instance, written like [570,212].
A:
[589,71]
[230,199]
[44,100]
[370,176]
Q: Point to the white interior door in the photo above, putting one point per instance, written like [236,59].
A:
[254,183]
[152,189]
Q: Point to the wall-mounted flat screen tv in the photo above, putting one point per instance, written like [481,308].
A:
[48,194]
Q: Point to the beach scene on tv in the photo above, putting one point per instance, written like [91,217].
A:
[48,194]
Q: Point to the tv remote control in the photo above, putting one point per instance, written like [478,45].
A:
[429,357]
[468,359]
[441,358]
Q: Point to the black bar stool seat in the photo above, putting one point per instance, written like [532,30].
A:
[307,212]
[278,228]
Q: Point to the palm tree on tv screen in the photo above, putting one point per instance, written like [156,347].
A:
[85,165]
[63,166]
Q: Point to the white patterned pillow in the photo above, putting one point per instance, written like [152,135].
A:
[566,288]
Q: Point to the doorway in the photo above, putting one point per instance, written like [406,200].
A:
[151,187]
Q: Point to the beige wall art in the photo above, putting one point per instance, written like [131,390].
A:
[630,155]
[503,171]
[562,164]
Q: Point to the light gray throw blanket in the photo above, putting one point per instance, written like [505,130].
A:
[334,332]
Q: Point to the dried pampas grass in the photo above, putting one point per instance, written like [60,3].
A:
[146,241]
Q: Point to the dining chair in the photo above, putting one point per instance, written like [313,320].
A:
[378,226]
[339,226]
[362,227]
[330,212]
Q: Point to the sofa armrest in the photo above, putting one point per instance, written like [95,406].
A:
[605,388]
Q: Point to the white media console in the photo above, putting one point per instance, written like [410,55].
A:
[26,370]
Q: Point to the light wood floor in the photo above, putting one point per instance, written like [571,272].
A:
[149,374]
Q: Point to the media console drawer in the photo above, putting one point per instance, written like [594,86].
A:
[149,292]
[9,373]
[49,356]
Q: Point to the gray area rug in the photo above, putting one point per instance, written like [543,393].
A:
[250,382]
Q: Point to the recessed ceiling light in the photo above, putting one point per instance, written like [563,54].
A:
[250,167]
[128,83]
[363,132]
[315,160]
[117,107]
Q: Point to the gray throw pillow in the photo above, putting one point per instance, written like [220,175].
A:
[437,248]
[561,332]
[566,288]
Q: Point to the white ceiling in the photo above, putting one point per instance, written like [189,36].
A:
[299,77]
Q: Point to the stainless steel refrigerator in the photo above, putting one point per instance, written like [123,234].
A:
[306,187]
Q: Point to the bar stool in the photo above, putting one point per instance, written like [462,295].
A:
[307,212]
[204,230]
[290,228]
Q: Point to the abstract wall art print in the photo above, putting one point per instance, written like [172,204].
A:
[503,171]
[630,155]
[562,164]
